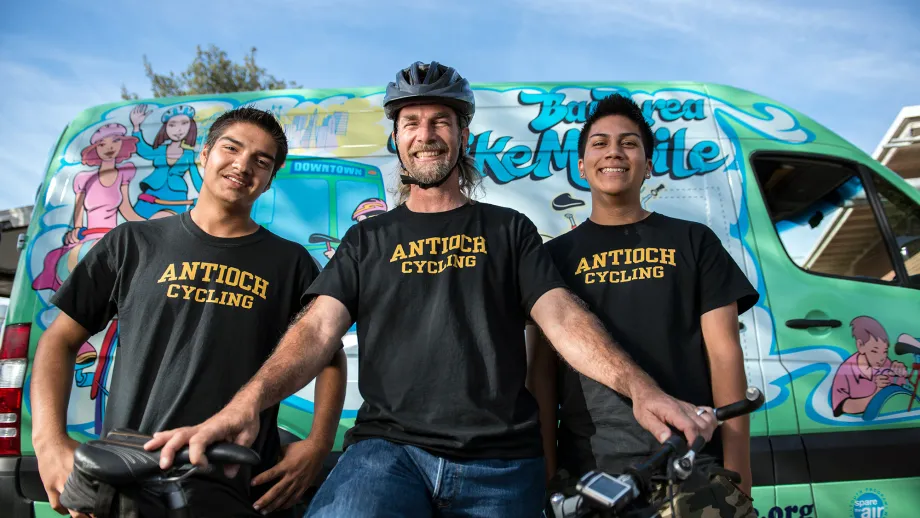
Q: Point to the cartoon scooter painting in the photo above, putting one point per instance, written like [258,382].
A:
[564,202]
[328,240]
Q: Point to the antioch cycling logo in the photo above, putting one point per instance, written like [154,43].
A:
[436,254]
[252,285]
[634,264]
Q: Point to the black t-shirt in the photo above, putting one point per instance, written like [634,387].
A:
[197,317]
[440,301]
[649,283]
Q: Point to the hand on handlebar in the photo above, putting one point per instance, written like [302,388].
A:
[55,464]
[230,424]
[655,410]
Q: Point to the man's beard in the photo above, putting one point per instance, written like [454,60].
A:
[430,172]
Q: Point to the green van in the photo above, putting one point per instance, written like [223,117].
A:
[830,238]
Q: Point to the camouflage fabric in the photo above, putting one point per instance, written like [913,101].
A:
[721,498]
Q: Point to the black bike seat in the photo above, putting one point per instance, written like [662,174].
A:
[120,458]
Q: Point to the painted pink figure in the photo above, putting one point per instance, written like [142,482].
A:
[102,194]
[866,372]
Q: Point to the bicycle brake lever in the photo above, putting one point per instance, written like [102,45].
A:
[556,501]
[683,465]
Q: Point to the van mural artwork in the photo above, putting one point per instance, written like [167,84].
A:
[139,161]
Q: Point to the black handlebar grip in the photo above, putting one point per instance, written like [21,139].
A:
[223,454]
[753,399]
[698,443]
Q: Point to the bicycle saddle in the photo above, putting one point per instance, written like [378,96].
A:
[120,458]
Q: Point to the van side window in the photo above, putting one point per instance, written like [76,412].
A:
[903,216]
[823,218]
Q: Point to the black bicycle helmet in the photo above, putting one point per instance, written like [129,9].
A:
[431,82]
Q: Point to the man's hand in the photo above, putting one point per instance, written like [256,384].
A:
[655,410]
[234,424]
[55,462]
[300,462]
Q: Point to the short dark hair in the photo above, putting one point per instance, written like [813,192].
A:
[617,104]
[261,118]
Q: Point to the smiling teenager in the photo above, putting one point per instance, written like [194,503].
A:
[201,299]
[670,294]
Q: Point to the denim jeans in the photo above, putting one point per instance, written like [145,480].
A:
[377,478]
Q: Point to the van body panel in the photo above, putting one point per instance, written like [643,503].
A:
[341,168]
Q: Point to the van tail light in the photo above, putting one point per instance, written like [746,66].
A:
[14,353]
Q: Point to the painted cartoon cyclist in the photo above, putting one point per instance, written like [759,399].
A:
[164,191]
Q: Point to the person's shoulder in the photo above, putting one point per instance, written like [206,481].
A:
[676,224]
[504,217]
[565,240]
[498,211]
[290,252]
[695,231]
[287,249]
[146,227]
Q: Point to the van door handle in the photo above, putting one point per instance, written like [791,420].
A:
[806,323]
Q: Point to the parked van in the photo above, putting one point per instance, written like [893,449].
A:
[830,238]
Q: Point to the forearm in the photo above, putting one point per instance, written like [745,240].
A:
[78,211]
[541,382]
[583,342]
[729,384]
[329,400]
[50,391]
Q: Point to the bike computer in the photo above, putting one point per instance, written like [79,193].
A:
[603,489]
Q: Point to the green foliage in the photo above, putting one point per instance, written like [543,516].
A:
[212,72]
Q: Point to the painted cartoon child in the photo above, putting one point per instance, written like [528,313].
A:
[102,194]
[366,209]
[866,372]
[164,191]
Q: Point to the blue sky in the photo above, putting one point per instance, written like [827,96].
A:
[850,65]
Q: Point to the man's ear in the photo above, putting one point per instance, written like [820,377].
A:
[581,167]
[203,155]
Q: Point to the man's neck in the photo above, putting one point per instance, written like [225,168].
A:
[616,210]
[442,198]
[221,221]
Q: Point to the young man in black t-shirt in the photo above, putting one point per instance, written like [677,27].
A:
[201,300]
[666,290]
[440,287]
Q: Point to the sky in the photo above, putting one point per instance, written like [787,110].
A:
[849,65]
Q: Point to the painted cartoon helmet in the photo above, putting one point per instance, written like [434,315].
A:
[369,207]
[112,129]
[434,83]
[182,109]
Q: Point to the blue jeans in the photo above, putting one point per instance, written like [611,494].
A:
[376,478]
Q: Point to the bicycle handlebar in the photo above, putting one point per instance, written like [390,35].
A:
[120,458]
[635,481]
